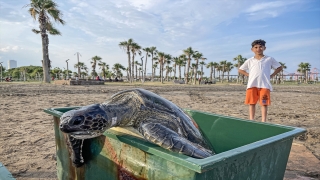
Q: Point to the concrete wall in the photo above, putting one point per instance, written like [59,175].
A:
[78,82]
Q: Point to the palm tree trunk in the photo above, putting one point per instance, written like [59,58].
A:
[145,69]
[45,50]
[187,71]
[195,72]
[179,72]
[132,70]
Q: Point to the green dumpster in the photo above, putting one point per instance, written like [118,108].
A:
[245,150]
[5,174]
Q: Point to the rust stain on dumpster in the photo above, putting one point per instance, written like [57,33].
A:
[123,173]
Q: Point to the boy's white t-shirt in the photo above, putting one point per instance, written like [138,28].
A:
[260,71]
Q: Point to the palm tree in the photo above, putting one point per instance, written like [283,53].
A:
[210,65]
[126,45]
[196,56]
[147,50]
[136,63]
[167,61]
[219,69]
[85,68]
[202,63]
[154,67]
[170,69]
[192,67]
[283,67]
[103,66]
[184,59]
[94,61]
[304,68]
[229,67]
[117,67]
[82,66]
[180,63]
[79,65]
[135,48]
[153,51]
[223,64]
[215,67]
[188,52]
[240,60]
[175,60]
[161,57]
[43,11]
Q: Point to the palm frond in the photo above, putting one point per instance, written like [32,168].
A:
[36,31]
[52,30]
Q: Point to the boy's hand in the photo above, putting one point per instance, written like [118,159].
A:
[243,72]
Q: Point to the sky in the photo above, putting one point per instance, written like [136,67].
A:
[219,29]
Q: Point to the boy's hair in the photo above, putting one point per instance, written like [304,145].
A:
[259,41]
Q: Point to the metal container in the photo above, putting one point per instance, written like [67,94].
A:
[4,173]
[245,150]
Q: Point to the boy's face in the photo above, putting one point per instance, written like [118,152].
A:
[258,49]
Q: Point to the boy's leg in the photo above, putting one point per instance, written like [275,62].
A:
[264,110]
[264,102]
[252,111]
[252,97]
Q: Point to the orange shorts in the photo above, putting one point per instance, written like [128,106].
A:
[254,94]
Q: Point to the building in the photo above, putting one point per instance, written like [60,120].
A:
[12,64]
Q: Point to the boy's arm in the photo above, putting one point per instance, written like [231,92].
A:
[276,71]
[243,72]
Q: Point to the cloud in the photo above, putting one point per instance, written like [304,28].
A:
[269,9]
[9,48]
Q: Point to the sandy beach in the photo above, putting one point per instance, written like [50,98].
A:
[27,145]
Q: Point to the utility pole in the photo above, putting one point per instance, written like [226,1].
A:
[77,53]
[67,69]
[1,70]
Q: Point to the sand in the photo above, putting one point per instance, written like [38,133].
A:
[27,146]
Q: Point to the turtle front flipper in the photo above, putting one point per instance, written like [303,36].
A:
[168,139]
[76,148]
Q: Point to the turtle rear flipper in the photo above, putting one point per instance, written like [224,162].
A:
[168,139]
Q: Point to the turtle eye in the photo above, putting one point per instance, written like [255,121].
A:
[78,120]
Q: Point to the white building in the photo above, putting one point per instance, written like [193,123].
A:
[12,64]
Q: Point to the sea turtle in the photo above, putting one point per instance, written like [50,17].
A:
[157,119]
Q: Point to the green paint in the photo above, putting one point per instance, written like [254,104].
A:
[245,150]
[5,174]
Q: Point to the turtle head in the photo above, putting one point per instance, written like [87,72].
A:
[85,122]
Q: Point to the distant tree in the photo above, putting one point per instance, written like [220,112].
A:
[223,65]
[161,58]
[94,61]
[148,51]
[153,51]
[117,69]
[240,60]
[283,67]
[126,45]
[43,11]
[188,52]
[135,48]
[229,67]
[304,68]
[180,63]
[210,65]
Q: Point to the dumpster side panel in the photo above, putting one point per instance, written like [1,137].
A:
[109,158]
[113,159]
[265,162]
[226,133]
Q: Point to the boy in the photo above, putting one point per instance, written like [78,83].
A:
[259,86]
